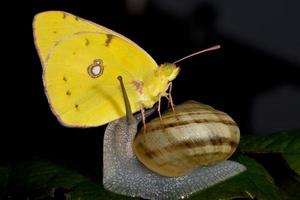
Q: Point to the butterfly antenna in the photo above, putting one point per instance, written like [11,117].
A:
[198,52]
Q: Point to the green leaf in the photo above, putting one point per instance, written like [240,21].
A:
[45,180]
[285,143]
[4,174]
[255,182]
[42,179]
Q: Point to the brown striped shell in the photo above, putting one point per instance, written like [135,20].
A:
[198,135]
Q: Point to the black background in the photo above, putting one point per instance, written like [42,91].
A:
[228,79]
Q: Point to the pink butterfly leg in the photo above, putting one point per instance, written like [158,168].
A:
[170,97]
[143,117]
[158,109]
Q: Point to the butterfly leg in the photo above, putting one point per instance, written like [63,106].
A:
[159,113]
[143,117]
[170,97]
[158,108]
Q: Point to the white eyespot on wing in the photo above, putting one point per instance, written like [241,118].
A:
[96,69]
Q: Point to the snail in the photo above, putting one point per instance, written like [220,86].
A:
[184,153]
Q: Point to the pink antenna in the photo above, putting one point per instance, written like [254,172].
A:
[199,52]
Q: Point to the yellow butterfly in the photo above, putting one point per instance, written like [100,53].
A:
[81,62]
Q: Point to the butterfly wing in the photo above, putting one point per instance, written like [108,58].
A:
[81,70]
[80,96]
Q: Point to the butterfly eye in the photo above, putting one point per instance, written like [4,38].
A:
[96,69]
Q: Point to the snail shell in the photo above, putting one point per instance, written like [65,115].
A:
[197,135]
[123,173]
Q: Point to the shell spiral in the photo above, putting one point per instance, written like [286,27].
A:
[198,135]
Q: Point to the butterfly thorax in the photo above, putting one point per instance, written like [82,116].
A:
[157,85]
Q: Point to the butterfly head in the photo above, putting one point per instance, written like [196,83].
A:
[168,71]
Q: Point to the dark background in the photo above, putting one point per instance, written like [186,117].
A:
[254,77]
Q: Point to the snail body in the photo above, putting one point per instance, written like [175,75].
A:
[197,135]
[123,173]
